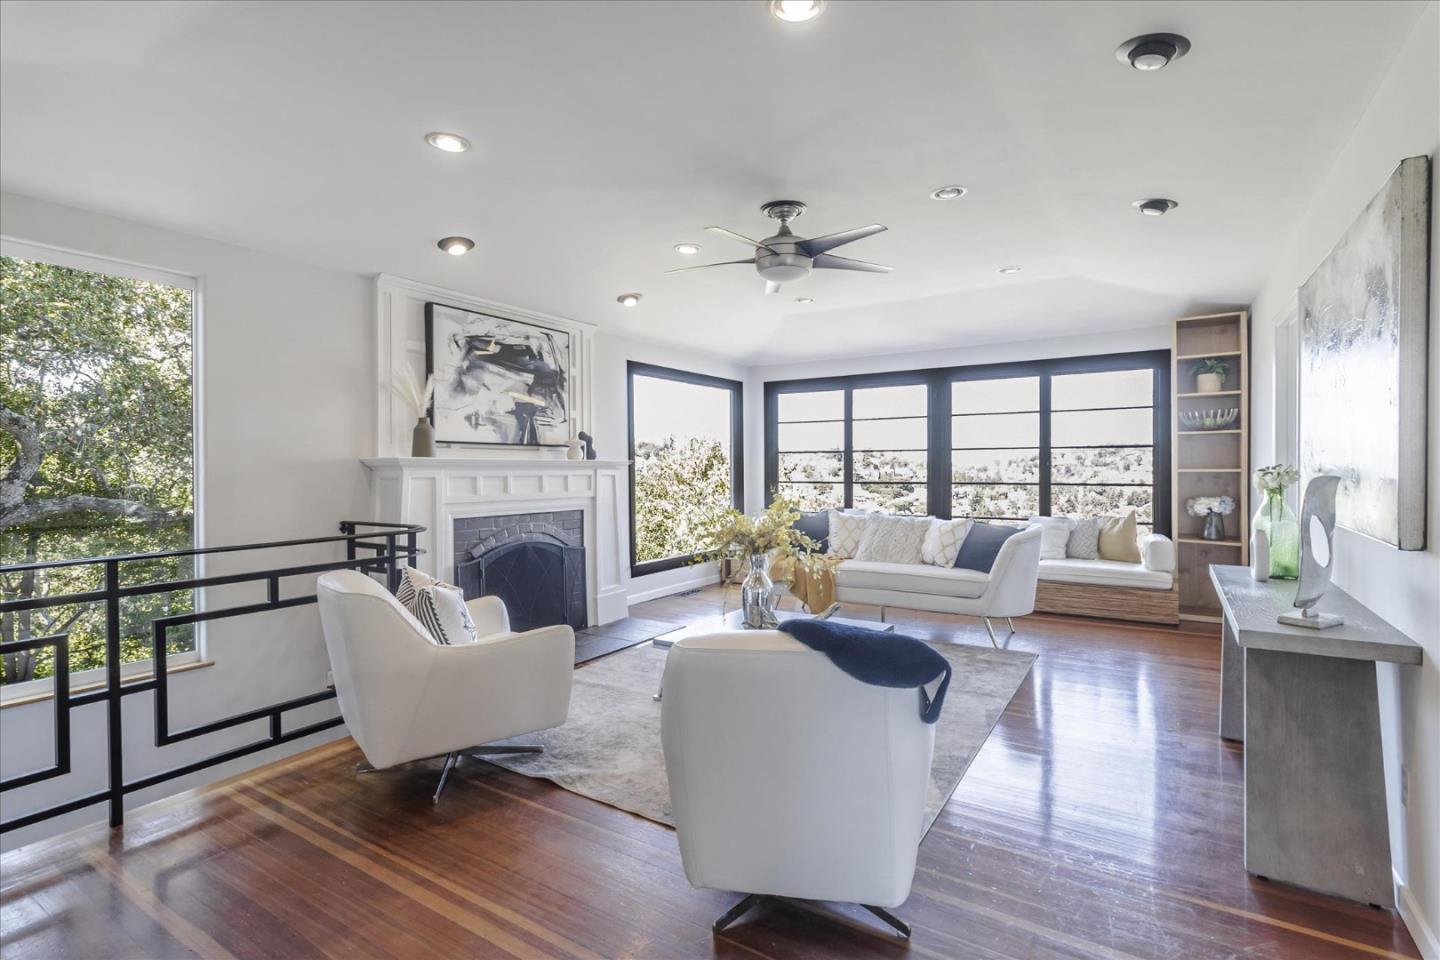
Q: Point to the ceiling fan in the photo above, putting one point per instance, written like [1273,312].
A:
[786,257]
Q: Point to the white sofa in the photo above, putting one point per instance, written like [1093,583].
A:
[790,778]
[1020,583]
[1008,590]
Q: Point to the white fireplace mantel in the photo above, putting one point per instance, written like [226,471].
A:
[436,491]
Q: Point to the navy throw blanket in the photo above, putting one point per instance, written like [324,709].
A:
[877,658]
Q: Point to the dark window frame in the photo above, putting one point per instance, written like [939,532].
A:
[634,368]
[938,379]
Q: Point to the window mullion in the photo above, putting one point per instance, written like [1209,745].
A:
[1045,443]
[848,466]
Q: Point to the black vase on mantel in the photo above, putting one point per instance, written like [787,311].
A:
[422,440]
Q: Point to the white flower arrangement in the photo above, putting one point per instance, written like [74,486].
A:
[410,390]
[1274,478]
[1201,506]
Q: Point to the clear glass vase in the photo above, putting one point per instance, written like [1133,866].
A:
[1283,531]
[756,595]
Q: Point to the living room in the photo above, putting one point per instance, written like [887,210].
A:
[518,462]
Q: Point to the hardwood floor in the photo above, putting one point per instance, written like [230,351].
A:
[1101,820]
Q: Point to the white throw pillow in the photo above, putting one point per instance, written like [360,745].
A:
[1054,534]
[441,608]
[943,540]
[888,539]
[1157,553]
[846,529]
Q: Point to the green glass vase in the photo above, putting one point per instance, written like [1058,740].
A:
[1278,522]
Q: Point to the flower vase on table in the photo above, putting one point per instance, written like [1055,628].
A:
[1282,529]
[757,595]
[1278,521]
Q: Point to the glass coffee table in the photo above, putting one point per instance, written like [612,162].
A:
[734,620]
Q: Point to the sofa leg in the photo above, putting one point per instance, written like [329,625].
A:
[1011,621]
[882,613]
[993,642]
[901,927]
[450,760]
[736,912]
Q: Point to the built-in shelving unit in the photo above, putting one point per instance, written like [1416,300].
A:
[1210,463]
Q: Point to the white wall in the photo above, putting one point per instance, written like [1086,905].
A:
[286,391]
[611,356]
[1124,341]
[1403,120]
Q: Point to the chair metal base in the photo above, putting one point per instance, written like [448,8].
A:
[753,900]
[452,760]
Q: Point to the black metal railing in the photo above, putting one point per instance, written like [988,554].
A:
[382,541]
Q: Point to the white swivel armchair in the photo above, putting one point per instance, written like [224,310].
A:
[790,778]
[407,698]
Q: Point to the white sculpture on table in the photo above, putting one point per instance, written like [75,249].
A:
[1317,555]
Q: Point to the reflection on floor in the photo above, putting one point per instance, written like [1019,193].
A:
[1102,819]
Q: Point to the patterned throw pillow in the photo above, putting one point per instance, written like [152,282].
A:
[438,605]
[845,531]
[1084,542]
[942,541]
[888,539]
[441,608]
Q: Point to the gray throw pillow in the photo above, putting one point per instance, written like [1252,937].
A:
[816,526]
[1084,542]
[982,545]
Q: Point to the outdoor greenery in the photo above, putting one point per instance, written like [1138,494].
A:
[95,450]
[682,490]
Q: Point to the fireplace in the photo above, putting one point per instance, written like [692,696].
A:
[535,562]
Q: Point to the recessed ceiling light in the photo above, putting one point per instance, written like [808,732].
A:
[1152,51]
[953,192]
[796,11]
[456,246]
[449,142]
[1009,270]
[687,249]
[804,299]
[628,299]
[1155,207]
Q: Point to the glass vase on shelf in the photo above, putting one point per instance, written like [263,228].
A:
[1282,530]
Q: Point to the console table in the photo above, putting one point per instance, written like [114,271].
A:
[1306,705]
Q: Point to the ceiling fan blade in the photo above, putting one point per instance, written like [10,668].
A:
[702,266]
[771,286]
[831,262]
[737,236]
[818,245]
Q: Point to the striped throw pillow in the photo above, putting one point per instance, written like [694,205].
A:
[441,608]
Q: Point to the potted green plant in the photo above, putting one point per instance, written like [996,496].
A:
[1210,374]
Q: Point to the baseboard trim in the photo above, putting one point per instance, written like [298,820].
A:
[690,583]
[1415,921]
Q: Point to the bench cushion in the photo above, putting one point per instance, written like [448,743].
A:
[1106,573]
[911,578]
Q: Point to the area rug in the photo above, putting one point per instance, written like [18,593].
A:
[609,748]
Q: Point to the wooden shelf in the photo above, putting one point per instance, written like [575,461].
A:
[1220,466]
[1206,356]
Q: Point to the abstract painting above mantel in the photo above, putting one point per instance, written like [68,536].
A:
[498,380]
[1364,320]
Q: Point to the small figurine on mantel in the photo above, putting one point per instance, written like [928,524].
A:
[589,444]
[1317,556]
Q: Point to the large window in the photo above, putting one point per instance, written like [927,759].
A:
[97,444]
[1083,436]
[685,448]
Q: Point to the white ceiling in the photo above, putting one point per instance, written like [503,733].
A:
[607,132]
